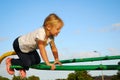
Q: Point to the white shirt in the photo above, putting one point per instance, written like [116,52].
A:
[28,42]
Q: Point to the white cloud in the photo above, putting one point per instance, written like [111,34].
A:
[114,51]
[109,28]
[117,24]
[85,54]
[113,27]
[116,28]
[105,29]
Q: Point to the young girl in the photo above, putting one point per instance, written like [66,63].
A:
[25,46]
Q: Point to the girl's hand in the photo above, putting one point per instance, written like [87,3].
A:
[57,62]
[52,66]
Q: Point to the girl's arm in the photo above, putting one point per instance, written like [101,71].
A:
[42,50]
[41,46]
[55,52]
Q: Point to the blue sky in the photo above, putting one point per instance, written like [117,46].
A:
[90,25]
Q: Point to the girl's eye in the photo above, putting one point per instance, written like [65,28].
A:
[58,28]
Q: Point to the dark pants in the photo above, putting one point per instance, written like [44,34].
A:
[25,59]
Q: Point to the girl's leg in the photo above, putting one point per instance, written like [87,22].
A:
[35,58]
[25,59]
[20,60]
[8,64]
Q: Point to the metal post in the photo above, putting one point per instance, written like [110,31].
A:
[100,63]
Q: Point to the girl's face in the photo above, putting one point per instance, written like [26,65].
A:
[55,30]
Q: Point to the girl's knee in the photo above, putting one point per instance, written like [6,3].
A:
[38,61]
[27,64]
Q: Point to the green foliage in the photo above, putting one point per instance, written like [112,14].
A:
[71,76]
[3,78]
[29,78]
[18,78]
[79,75]
[33,78]
[116,77]
[60,79]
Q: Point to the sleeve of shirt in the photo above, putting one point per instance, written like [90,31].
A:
[40,35]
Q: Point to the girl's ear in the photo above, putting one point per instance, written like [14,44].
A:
[48,27]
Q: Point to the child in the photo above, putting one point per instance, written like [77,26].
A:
[25,46]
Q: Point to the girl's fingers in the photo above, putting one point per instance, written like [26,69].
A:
[58,62]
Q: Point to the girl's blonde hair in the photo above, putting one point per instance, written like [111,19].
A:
[52,19]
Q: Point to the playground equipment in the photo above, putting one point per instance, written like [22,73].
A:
[75,67]
[42,65]
[6,55]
